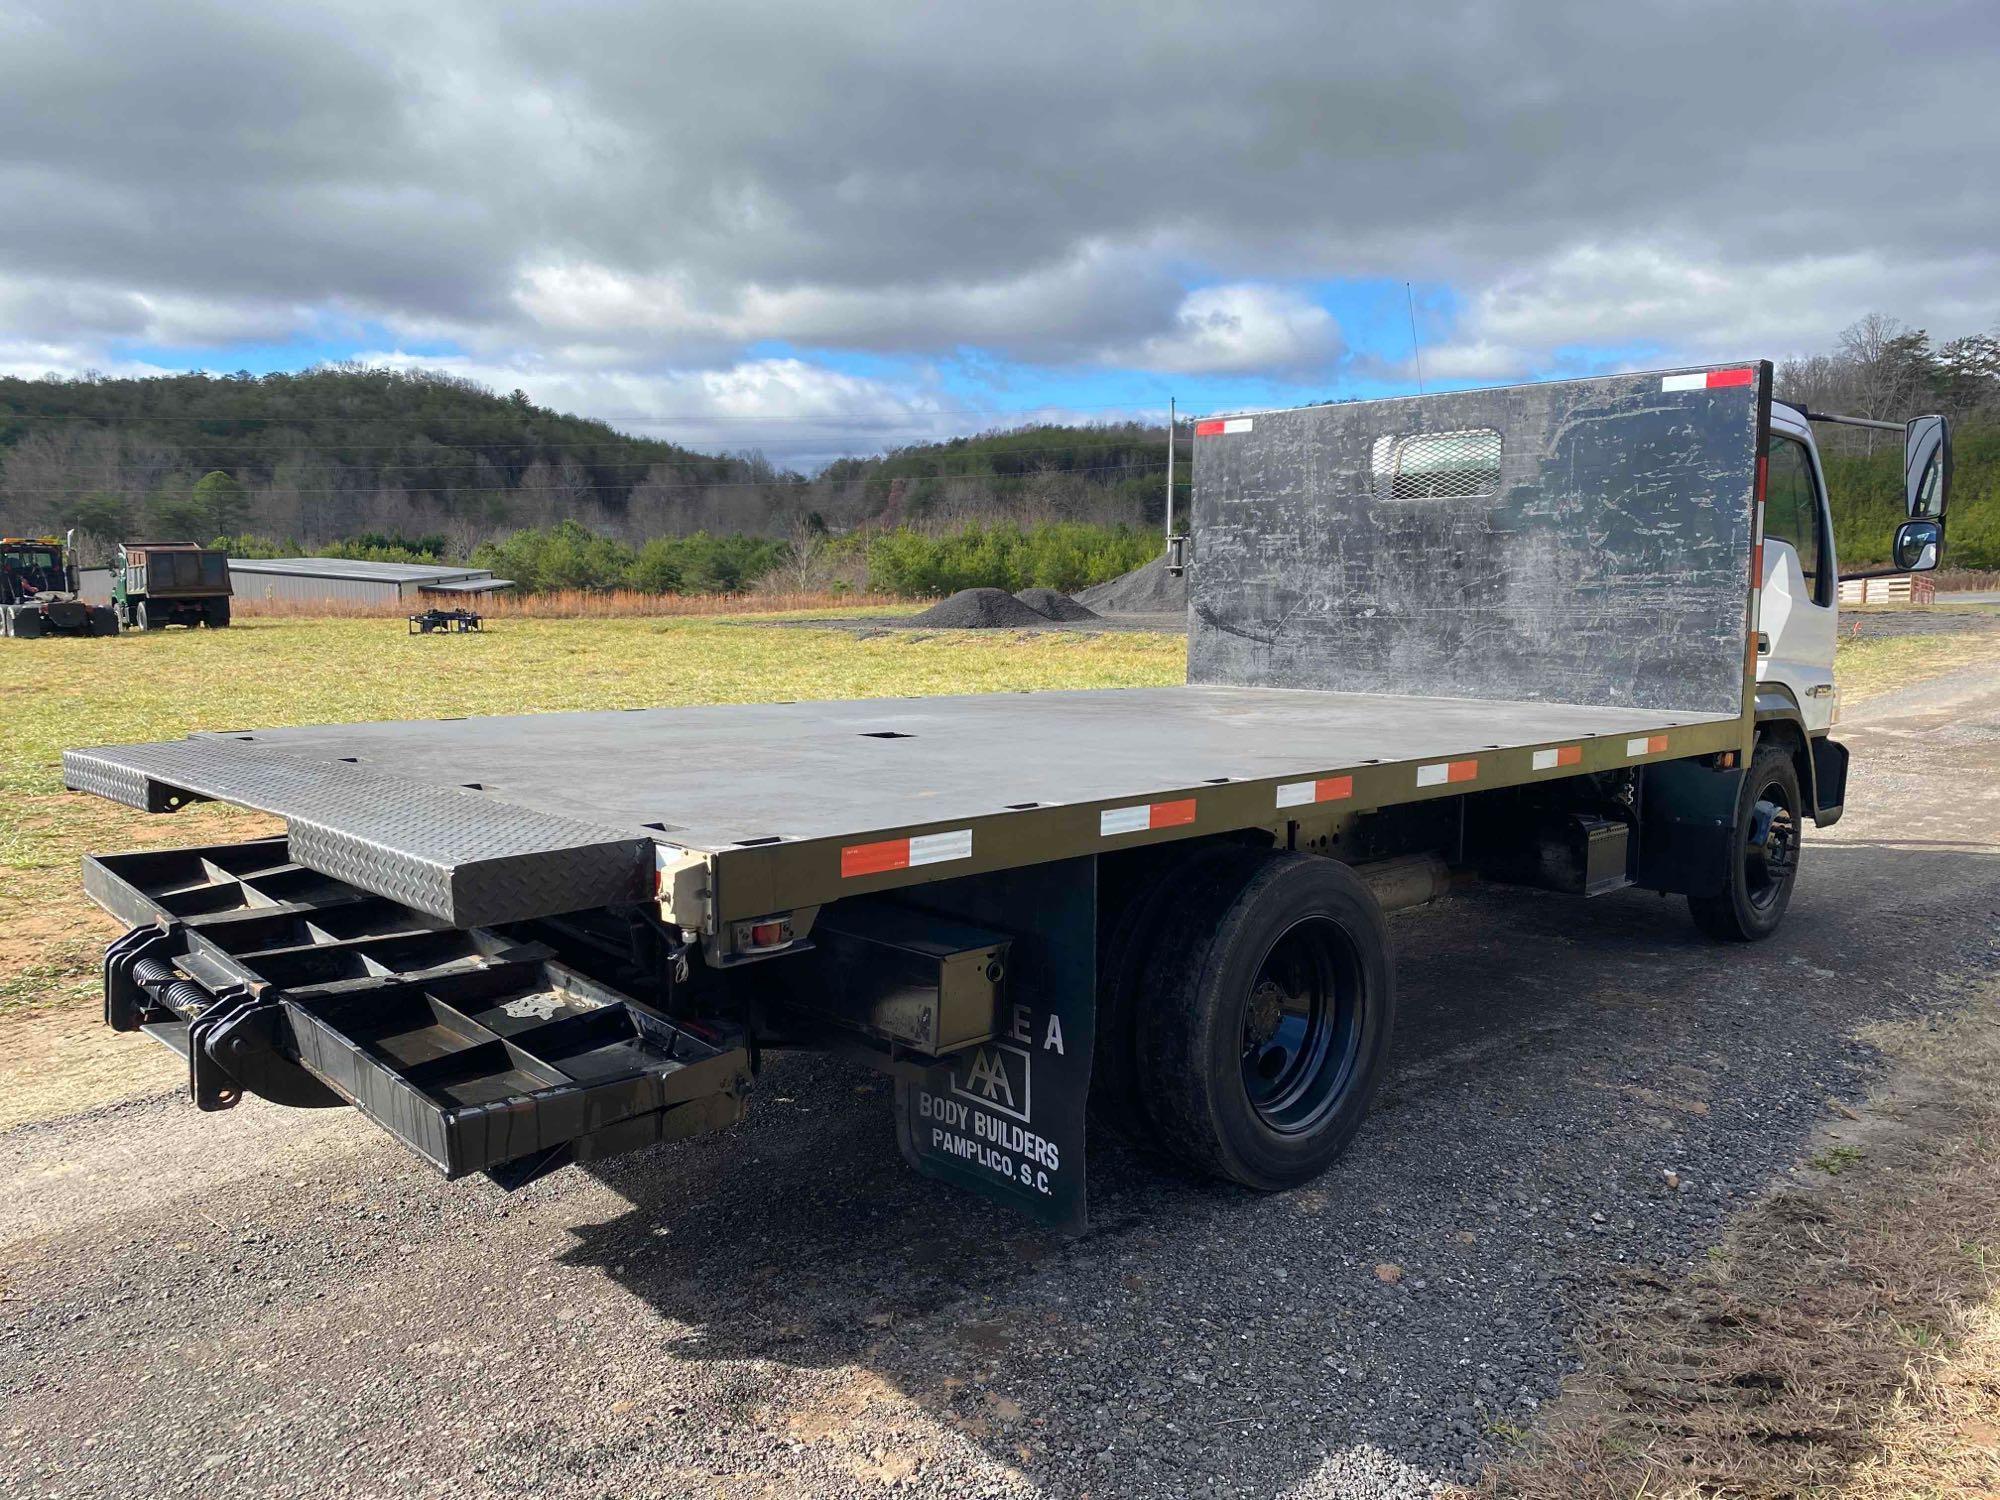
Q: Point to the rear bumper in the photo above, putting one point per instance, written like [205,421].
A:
[479,1052]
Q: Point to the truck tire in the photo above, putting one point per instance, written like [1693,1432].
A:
[1267,1018]
[142,617]
[216,615]
[103,620]
[1117,1097]
[1764,854]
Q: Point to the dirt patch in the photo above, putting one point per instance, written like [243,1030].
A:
[979,609]
[1054,604]
[59,1060]
[1844,1339]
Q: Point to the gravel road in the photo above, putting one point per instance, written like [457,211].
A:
[274,1303]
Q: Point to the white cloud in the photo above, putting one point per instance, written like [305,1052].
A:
[1241,329]
[1688,304]
[804,414]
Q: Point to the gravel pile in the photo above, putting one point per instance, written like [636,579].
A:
[1147,590]
[1053,604]
[980,609]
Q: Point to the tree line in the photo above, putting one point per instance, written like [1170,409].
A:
[318,461]
[333,453]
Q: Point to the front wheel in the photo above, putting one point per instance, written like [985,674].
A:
[1266,1020]
[1764,854]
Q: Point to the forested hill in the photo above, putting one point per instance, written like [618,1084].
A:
[336,452]
[342,452]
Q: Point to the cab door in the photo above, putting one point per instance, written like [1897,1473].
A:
[1797,623]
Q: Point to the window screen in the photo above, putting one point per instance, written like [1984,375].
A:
[1437,465]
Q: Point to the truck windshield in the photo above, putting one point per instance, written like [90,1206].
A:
[33,570]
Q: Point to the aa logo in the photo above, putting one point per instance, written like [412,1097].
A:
[996,1077]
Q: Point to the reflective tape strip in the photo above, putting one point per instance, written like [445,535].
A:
[1222,427]
[1146,815]
[1305,793]
[1651,744]
[1562,755]
[1707,380]
[1448,771]
[900,854]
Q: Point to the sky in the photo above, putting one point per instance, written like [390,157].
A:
[816,229]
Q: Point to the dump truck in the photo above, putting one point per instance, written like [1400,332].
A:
[1575,636]
[157,584]
[39,593]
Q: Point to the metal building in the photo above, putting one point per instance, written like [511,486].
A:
[336,579]
[318,579]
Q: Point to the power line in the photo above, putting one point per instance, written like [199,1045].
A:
[570,450]
[631,418]
[803,486]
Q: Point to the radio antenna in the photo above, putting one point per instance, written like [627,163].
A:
[1415,348]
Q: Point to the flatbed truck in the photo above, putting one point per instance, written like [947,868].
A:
[1575,635]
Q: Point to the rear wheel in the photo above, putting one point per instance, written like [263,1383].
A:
[1139,898]
[145,618]
[1764,854]
[1267,1019]
[216,615]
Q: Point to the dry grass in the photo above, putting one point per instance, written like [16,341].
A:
[1955,579]
[1844,1340]
[1868,665]
[576,604]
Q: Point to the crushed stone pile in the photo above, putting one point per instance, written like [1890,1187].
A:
[1053,604]
[980,609]
[1148,589]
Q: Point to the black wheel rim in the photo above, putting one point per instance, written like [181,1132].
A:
[1302,1026]
[1771,846]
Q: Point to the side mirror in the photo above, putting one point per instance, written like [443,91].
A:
[1926,465]
[1919,545]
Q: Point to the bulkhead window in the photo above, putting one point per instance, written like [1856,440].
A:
[1459,465]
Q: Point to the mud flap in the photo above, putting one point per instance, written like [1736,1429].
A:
[1005,1119]
[1687,827]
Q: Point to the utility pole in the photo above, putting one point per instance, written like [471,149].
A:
[1170,468]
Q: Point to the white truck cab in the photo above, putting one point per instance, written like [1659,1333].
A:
[1798,614]
[1799,600]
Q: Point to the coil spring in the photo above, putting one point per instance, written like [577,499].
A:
[178,995]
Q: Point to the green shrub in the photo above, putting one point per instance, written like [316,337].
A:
[1066,555]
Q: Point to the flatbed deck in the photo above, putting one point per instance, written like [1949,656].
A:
[498,819]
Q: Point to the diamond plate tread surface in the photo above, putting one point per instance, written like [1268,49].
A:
[452,852]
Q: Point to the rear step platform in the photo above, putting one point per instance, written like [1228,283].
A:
[479,1051]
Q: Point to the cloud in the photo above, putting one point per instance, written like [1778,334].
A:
[1241,329]
[611,187]
[805,414]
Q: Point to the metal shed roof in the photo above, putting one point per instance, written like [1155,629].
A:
[468,586]
[363,572]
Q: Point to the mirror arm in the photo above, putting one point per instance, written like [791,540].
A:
[1871,573]
[1879,426]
